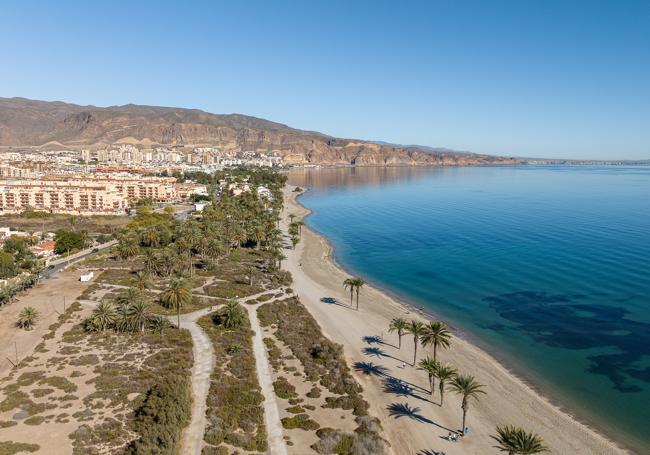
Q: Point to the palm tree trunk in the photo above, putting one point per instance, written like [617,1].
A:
[399,335]
[178,314]
[432,383]
[415,349]
[351,295]
[435,349]
[357,299]
[464,415]
[442,392]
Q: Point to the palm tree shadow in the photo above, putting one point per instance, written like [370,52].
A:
[371,369]
[374,339]
[428,452]
[334,301]
[398,410]
[378,352]
[402,388]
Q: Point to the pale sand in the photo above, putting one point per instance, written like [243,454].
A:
[508,401]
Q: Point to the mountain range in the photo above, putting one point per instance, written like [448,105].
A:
[56,125]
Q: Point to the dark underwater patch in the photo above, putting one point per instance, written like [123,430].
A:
[564,321]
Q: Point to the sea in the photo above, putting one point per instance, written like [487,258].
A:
[545,267]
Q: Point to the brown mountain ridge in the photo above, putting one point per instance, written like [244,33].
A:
[52,124]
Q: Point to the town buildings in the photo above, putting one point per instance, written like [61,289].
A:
[91,194]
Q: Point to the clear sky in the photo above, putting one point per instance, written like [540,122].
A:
[528,78]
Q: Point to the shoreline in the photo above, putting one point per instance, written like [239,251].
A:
[592,439]
[458,332]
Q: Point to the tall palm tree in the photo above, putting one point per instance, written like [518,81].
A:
[444,373]
[176,296]
[517,441]
[436,334]
[398,325]
[466,386]
[430,366]
[349,284]
[358,284]
[415,328]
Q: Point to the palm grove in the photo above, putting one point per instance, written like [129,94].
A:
[436,335]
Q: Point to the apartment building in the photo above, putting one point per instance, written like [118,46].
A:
[78,198]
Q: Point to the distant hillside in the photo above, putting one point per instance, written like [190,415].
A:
[26,122]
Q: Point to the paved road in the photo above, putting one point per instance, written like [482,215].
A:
[60,264]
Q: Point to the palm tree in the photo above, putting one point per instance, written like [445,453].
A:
[466,386]
[139,315]
[430,366]
[398,325]
[103,316]
[122,318]
[176,296]
[142,280]
[127,249]
[233,315]
[349,284]
[159,323]
[358,284]
[444,373]
[129,297]
[27,318]
[517,441]
[436,334]
[415,328]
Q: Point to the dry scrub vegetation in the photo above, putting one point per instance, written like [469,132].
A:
[235,413]
[323,405]
[109,393]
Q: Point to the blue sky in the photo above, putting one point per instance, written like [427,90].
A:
[528,78]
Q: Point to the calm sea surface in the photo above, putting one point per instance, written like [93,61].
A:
[546,267]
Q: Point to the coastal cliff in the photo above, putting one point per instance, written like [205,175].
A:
[52,125]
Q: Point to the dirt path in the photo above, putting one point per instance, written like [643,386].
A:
[204,363]
[192,443]
[275,434]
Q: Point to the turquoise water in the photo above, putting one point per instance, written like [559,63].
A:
[546,267]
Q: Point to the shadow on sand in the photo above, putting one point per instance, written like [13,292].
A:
[398,410]
[333,301]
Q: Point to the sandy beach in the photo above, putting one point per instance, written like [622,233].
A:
[413,421]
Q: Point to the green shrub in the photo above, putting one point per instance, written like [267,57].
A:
[283,389]
[301,421]
[160,419]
